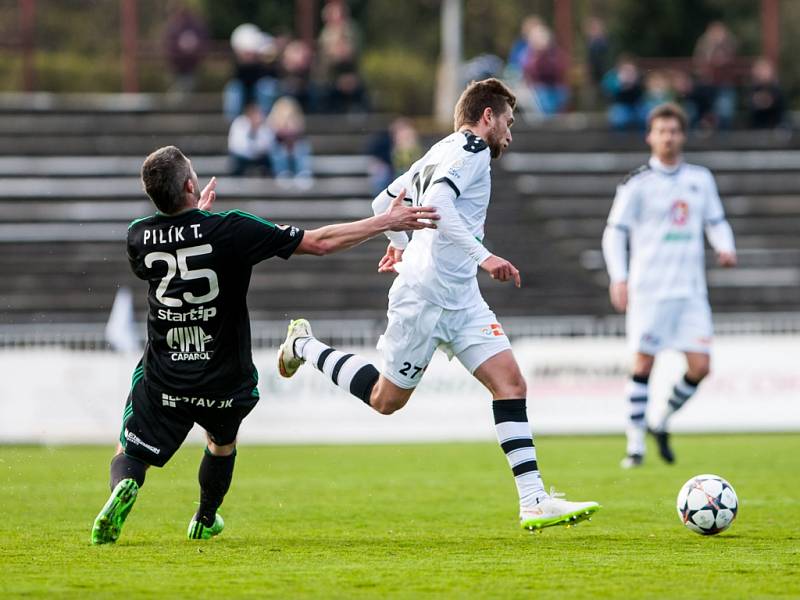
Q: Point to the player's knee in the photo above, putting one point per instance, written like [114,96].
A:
[699,372]
[387,406]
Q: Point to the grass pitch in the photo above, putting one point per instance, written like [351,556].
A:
[407,521]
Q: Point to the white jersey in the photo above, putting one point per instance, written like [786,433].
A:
[434,267]
[664,210]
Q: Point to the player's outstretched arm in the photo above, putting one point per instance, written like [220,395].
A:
[398,217]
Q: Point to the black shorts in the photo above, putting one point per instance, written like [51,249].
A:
[155,423]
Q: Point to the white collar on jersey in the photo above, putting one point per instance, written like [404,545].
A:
[662,168]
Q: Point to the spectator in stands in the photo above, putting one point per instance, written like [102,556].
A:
[546,72]
[766,105]
[291,151]
[657,90]
[295,74]
[392,152]
[185,44]
[714,59]
[338,61]
[597,50]
[250,142]
[255,76]
[520,51]
[623,86]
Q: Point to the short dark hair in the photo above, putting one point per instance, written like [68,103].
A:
[164,175]
[668,110]
[479,95]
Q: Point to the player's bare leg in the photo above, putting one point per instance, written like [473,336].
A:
[501,375]
[698,366]
[637,394]
[214,476]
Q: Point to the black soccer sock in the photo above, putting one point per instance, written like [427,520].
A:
[350,372]
[215,476]
[127,467]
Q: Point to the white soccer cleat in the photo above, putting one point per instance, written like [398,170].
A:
[632,461]
[288,361]
[554,510]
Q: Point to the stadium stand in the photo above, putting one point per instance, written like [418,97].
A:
[69,187]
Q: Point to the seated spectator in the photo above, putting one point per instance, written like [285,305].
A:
[338,61]
[623,86]
[392,152]
[295,75]
[657,90]
[765,100]
[185,44]
[714,60]
[255,76]
[546,72]
[291,151]
[250,142]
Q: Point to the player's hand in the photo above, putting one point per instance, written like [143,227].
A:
[618,292]
[726,259]
[403,218]
[502,270]
[208,195]
[390,259]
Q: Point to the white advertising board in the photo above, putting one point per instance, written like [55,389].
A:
[575,385]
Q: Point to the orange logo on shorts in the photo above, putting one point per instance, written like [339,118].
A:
[493,330]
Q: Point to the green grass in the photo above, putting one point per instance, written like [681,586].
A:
[435,520]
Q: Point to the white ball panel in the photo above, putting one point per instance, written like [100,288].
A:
[713,487]
[693,527]
[729,498]
[697,499]
[724,518]
[704,518]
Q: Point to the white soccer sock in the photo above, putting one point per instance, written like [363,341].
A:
[516,440]
[350,372]
[682,391]
[636,391]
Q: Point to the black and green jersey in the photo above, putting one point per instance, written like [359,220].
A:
[198,265]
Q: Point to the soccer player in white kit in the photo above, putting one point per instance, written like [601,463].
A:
[435,300]
[660,212]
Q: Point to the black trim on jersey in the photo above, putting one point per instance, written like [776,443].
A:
[618,226]
[391,195]
[474,143]
[449,182]
[635,172]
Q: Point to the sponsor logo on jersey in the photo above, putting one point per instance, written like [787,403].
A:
[168,400]
[200,313]
[493,330]
[135,439]
[293,231]
[679,212]
[189,343]
[455,167]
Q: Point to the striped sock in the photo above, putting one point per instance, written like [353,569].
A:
[350,372]
[636,391]
[682,391]
[516,440]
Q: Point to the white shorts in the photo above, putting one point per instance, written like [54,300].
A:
[417,327]
[680,324]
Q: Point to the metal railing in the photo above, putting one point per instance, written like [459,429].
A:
[365,332]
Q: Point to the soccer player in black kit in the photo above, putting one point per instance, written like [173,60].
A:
[197,365]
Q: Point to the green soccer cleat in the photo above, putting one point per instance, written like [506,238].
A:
[198,531]
[556,511]
[288,361]
[108,524]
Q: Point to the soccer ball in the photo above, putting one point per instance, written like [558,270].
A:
[707,504]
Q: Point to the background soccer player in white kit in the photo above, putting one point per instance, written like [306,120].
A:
[660,212]
[435,300]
